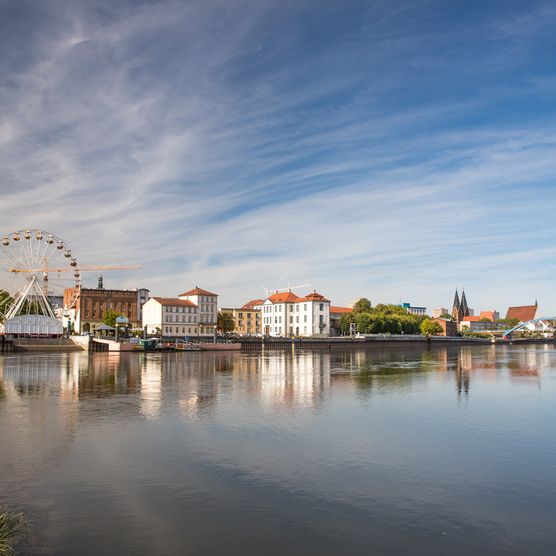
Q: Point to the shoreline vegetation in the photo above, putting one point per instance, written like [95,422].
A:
[12,527]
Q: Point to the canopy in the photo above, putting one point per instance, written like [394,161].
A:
[104,327]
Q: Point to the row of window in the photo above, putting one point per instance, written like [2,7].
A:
[190,318]
[278,320]
[184,330]
[291,307]
[173,309]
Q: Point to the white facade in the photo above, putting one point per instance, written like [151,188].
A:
[285,315]
[207,309]
[33,325]
[170,316]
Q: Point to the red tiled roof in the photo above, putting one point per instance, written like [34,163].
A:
[472,318]
[522,313]
[174,301]
[334,309]
[314,297]
[252,304]
[488,315]
[283,297]
[198,291]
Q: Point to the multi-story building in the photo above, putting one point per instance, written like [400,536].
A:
[523,313]
[170,316]
[192,313]
[247,318]
[439,311]
[335,316]
[286,314]
[419,311]
[85,308]
[207,308]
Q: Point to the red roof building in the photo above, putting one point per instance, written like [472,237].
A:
[522,313]
[252,304]
[197,291]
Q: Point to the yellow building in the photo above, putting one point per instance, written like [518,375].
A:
[247,319]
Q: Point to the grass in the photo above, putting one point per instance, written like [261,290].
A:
[11,525]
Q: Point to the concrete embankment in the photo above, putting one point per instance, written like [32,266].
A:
[378,340]
[46,344]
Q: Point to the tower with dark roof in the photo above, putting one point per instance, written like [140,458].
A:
[464,306]
[456,307]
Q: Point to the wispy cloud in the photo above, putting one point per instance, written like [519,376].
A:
[389,150]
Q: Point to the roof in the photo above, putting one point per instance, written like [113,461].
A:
[174,301]
[314,297]
[473,318]
[104,327]
[198,291]
[488,315]
[284,297]
[522,313]
[334,309]
[252,304]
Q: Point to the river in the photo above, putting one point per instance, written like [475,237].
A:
[377,451]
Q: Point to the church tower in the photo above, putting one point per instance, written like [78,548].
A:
[456,307]
[464,306]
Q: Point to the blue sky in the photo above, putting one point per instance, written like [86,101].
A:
[393,150]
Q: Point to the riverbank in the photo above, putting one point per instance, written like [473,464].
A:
[257,343]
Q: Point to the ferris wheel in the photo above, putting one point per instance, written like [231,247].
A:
[35,268]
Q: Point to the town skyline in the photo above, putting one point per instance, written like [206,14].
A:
[391,151]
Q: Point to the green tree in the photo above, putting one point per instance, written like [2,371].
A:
[430,328]
[363,323]
[511,322]
[5,302]
[446,316]
[110,317]
[345,320]
[225,322]
[362,305]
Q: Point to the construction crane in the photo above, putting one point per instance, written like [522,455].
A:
[289,288]
[87,268]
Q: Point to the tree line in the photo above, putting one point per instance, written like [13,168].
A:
[386,319]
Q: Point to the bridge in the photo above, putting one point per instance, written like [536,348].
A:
[543,321]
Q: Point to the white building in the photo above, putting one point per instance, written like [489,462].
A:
[286,314]
[207,308]
[170,316]
[438,312]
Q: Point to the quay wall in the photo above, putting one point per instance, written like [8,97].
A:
[350,343]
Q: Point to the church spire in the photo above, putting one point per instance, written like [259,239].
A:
[456,307]
[464,306]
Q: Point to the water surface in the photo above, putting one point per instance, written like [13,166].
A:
[377,451]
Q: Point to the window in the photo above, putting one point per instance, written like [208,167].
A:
[321,306]
[305,319]
[305,306]
[291,319]
[297,319]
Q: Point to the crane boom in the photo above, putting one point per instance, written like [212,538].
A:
[87,268]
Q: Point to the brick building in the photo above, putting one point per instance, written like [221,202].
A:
[85,307]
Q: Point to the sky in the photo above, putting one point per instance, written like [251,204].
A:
[393,150]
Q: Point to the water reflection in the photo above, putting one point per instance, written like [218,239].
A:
[280,378]
[328,452]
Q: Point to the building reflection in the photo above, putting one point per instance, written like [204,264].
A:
[297,377]
[197,382]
